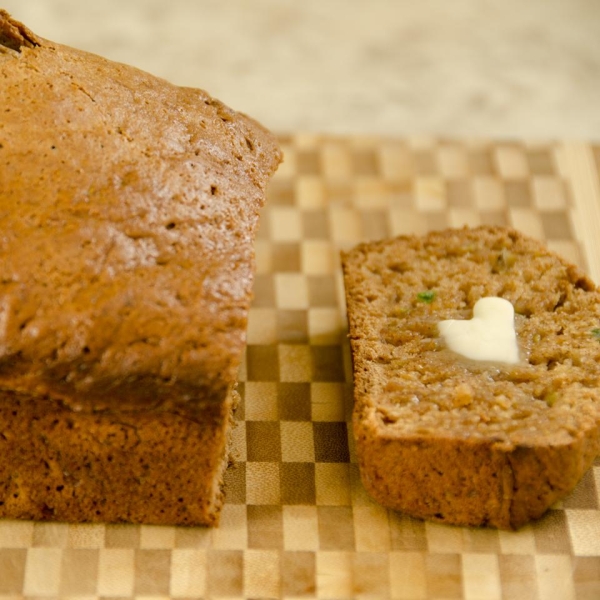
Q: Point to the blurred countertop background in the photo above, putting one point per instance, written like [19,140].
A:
[466,68]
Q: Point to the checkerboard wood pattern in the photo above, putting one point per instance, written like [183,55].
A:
[297,522]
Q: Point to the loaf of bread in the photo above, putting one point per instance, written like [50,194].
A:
[455,439]
[128,213]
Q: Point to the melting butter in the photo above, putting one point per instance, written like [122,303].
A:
[488,336]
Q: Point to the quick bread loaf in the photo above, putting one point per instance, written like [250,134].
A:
[128,210]
[458,440]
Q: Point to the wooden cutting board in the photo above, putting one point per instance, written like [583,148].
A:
[297,522]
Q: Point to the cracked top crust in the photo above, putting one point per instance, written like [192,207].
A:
[128,215]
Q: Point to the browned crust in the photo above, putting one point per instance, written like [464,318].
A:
[14,35]
[467,483]
[153,468]
[129,212]
[139,201]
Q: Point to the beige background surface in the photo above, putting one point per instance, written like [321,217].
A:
[461,68]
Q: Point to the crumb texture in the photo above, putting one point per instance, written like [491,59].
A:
[410,389]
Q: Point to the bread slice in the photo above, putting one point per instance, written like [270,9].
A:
[463,441]
[129,210]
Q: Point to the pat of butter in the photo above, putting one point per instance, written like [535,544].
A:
[489,335]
